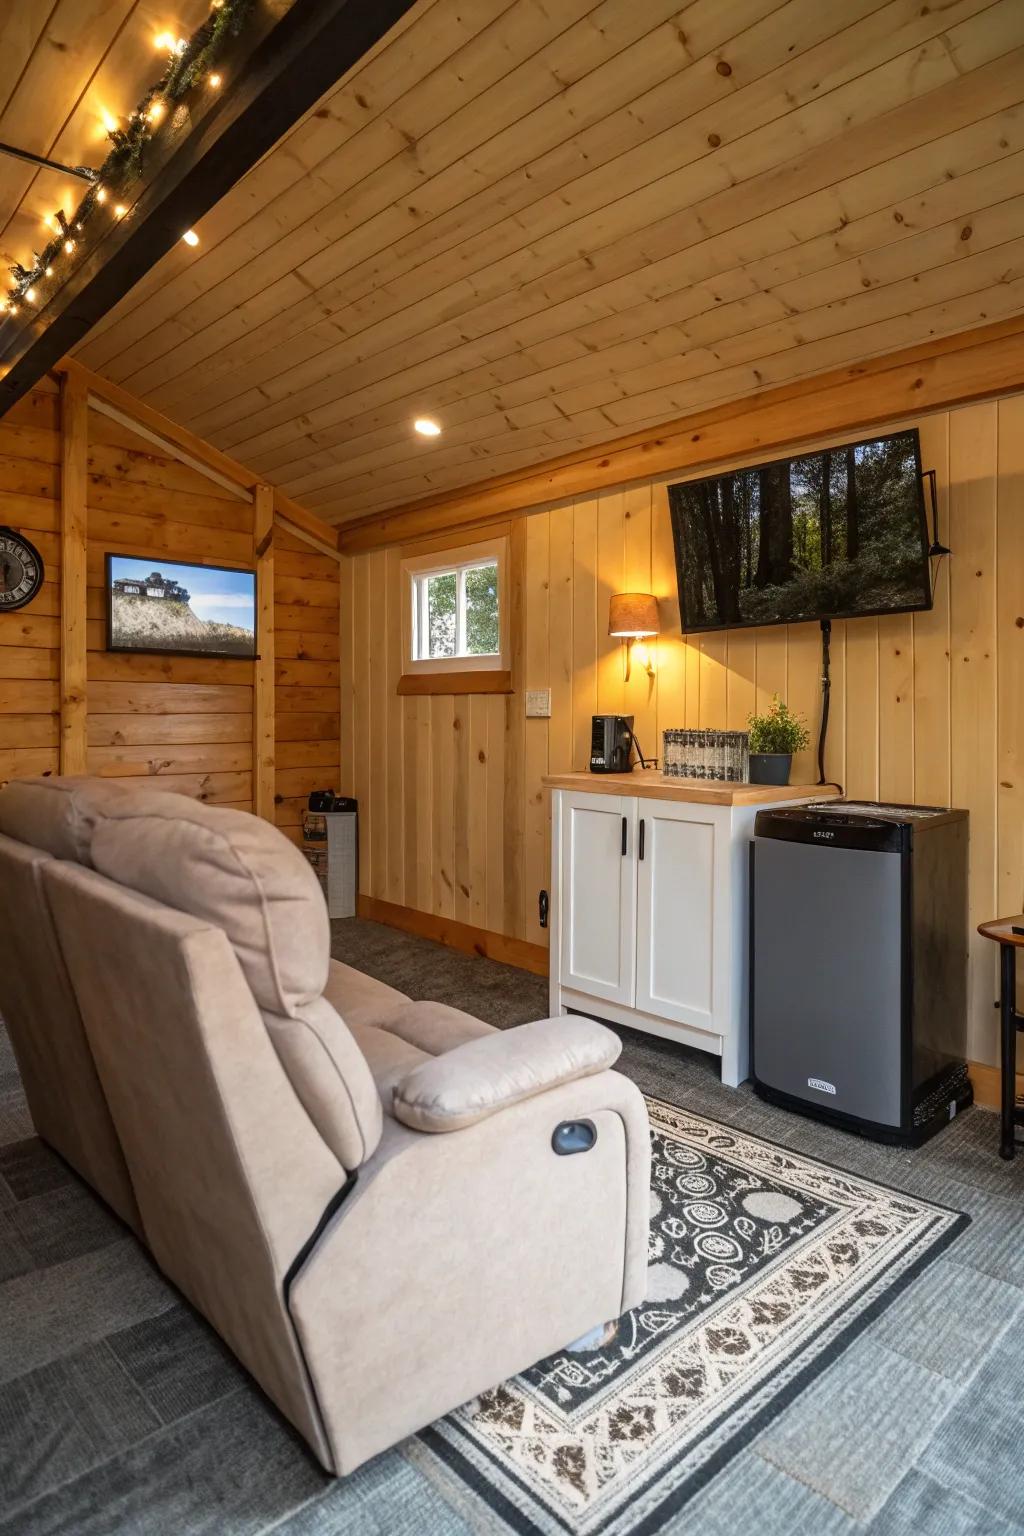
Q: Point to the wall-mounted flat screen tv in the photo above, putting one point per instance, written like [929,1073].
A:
[835,534]
[188,610]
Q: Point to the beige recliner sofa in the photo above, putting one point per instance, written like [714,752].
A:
[376,1202]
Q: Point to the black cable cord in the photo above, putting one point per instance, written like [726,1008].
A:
[826,690]
[936,550]
[639,753]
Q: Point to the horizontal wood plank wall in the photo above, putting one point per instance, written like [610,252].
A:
[187,721]
[307,673]
[30,639]
[927,708]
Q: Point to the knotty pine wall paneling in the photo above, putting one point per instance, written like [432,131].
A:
[927,708]
[185,721]
[30,639]
[306,634]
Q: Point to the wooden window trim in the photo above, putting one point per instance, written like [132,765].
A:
[457,674]
[485,681]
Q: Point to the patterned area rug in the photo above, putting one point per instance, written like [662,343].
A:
[763,1266]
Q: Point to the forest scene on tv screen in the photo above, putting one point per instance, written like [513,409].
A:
[831,534]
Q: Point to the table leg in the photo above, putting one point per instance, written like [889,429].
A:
[1008,1016]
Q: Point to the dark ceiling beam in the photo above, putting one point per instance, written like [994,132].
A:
[290,53]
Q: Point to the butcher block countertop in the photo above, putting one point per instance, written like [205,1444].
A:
[657,786]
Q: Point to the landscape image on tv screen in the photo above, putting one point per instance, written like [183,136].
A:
[832,534]
[164,605]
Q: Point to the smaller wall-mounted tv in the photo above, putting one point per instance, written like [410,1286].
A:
[172,607]
[836,534]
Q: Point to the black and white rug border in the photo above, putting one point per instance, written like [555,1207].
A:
[491,1501]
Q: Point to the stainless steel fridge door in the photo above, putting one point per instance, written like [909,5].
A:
[827,974]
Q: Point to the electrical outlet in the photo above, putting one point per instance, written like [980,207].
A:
[538,703]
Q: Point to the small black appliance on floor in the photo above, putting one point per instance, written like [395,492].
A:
[858,965]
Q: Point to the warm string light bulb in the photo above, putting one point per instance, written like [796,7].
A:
[120,210]
[213,80]
[30,295]
[101,195]
[190,237]
[156,111]
[69,246]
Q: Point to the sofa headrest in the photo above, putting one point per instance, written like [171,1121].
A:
[233,870]
[57,814]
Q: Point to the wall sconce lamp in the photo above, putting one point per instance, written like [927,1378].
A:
[633,616]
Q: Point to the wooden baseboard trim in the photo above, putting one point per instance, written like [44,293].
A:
[445,930]
[988,1084]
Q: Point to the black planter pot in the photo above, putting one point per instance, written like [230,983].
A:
[770,767]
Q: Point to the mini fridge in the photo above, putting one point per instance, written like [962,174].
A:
[858,965]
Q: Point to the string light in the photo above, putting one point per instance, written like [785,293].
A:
[129,135]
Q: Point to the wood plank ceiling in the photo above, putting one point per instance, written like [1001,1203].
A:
[549,222]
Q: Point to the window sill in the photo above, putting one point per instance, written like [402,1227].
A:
[485,681]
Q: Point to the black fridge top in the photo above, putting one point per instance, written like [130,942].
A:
[867,824]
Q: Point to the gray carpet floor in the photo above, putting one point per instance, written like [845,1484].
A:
[121,1412]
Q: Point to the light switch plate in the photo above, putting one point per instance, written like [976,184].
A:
[538,703]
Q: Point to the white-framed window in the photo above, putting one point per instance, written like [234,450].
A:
[456,609]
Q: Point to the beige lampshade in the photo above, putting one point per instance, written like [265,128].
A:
[631,614]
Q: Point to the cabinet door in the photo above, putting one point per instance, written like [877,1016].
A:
[675,964]
[598,911]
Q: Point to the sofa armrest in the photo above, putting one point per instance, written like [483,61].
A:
[462,1086]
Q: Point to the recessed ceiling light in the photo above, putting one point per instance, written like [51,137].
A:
[190,237]
[426,428]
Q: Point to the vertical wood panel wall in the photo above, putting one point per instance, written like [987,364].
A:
[188,721]
[927,707]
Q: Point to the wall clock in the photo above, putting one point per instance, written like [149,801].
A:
[21,570]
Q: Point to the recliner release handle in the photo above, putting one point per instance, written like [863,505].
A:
[573,1136]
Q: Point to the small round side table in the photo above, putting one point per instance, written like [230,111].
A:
[1008,933]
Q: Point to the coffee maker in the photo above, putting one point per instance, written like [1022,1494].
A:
[611,740]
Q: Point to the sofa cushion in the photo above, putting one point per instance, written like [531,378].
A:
[399,1039]
[450,1092]
[234,870]
[331,1077]
[389,1058]
[58,814]
[434,1027]
[360,999]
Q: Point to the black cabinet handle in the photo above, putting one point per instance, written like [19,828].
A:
[623,837]
[640,849]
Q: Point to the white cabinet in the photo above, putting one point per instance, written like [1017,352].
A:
[649,906]
[599,895]
[676,964]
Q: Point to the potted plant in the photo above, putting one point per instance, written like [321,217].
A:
[774,737]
